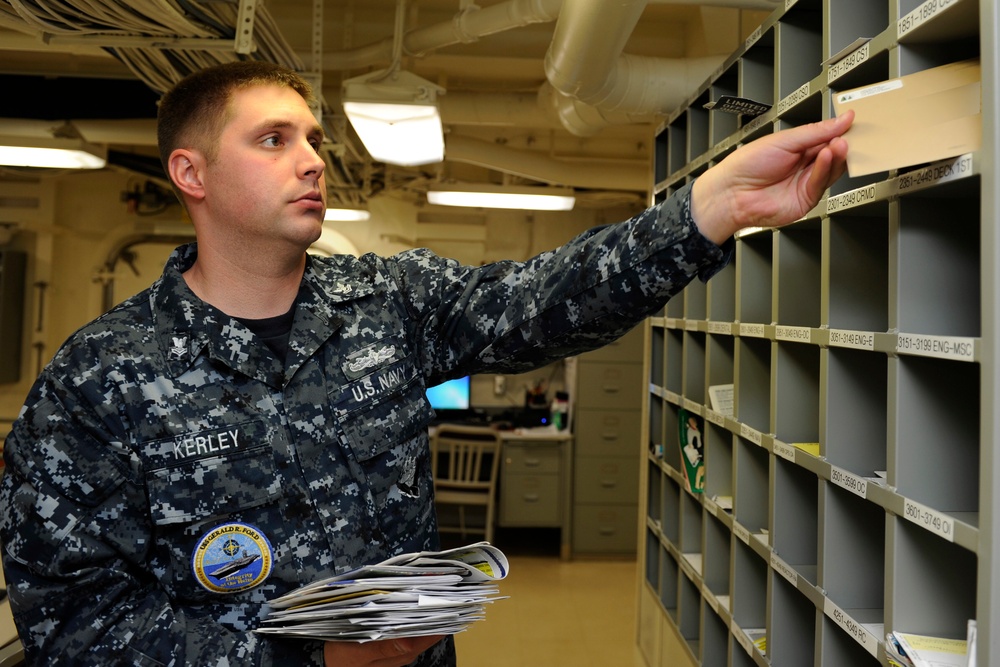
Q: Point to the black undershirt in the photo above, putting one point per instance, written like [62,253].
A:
[274,331]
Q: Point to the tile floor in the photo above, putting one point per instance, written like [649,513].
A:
[558,614]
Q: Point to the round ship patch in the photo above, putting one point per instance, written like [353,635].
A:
[232,557]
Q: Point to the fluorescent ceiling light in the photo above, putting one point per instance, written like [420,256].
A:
[51,153]
[346,215]
[396,116]
[530,198]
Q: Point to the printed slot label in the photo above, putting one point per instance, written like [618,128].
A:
[848,62]
[789,101]
[940,347]
[932,520]
[784,569]
[849,481]
[851,198]
[921,14]
[751,434]
[858,632]
[784,450]
[793,334]
[858,340]
[940,172]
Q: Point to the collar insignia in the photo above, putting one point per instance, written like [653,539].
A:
[178,347]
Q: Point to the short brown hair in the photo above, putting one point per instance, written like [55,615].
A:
[195,110]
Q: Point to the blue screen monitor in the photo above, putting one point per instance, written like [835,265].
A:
[450,395]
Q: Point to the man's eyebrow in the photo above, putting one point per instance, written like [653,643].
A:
[269,124]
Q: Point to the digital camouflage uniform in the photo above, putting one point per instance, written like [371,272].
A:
[165,423]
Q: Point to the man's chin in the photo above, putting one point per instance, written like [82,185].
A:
[309,230]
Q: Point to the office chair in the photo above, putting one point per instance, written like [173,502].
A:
[465,461]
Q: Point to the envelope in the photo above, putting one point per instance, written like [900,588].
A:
[922,117]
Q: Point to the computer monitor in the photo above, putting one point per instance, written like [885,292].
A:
[451,395]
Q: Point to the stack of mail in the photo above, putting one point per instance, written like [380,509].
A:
[426,593]
[910,650]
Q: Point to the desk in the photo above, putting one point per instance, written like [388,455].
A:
[536,474]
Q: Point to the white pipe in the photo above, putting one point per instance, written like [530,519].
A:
[646,85]
[466,26]
[598,74]
[597,85]
[642,89]
[475,22]
[589,37]
[496,109]
[584,120]
[537,166]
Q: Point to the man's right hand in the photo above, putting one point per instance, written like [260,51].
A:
[385,653]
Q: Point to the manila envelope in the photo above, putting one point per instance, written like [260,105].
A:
[923,117]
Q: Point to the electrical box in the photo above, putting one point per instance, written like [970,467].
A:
[12,277]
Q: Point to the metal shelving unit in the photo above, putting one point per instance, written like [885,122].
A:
[861,343]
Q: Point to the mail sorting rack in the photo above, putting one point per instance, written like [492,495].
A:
[862,345]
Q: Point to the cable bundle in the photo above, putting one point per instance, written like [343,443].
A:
[160,67]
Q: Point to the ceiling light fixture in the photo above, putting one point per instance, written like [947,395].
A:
[484,195]
[395,114]
[51,153]
[346,214]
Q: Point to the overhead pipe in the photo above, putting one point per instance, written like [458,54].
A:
[593,84]
[472,23]
[597,73]
[598,85]
[496,110]
[597,174]
[585,72]
[468,25]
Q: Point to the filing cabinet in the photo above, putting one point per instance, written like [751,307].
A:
[531,484]
[606,454]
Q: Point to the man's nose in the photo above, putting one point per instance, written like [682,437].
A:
[312,163]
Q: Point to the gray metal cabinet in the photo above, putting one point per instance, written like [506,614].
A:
[531,484]
[606,462]
[536,472]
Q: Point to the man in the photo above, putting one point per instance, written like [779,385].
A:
[256,419]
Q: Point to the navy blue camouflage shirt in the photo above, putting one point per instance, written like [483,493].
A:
[168,475]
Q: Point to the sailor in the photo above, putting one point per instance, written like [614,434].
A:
[260,401]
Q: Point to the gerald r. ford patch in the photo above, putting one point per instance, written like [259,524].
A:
[232,557]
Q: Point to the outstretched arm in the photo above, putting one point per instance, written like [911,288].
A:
[772,181]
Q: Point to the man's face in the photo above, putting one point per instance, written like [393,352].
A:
[266,183]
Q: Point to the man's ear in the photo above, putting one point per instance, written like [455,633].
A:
[185,170]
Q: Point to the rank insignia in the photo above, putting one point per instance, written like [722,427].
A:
[178,347]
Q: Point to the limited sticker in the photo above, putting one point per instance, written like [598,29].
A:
[232,557]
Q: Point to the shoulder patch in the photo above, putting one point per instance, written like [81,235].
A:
[232,557]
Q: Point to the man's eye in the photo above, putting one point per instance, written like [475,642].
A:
[272,142]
